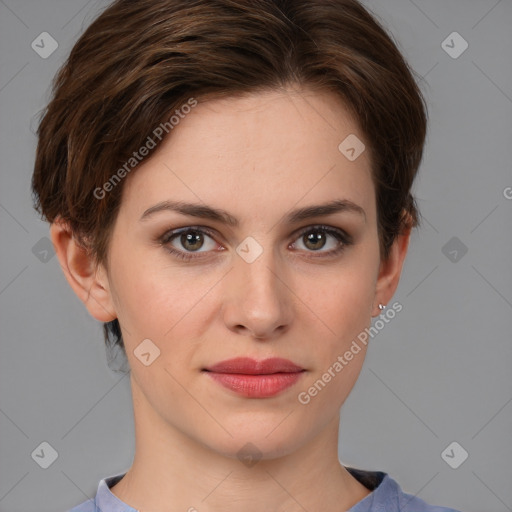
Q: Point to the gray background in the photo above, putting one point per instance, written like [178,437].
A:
[439,372]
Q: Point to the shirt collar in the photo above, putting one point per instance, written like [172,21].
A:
[383,489]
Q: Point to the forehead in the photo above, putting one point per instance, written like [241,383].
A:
[258,150]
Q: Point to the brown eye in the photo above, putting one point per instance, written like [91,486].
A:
[314,239]
[187,241]
[192,241]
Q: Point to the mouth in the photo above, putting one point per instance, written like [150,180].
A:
[248,366]
[255,379]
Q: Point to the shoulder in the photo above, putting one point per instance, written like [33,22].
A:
[387,496]
[86,506]
[409,503]
[405,502]
[104,500]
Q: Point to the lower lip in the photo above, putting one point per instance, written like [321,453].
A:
[256,386]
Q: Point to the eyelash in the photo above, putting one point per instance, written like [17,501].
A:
[342,237]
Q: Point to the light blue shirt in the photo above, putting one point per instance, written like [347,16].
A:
[386,496]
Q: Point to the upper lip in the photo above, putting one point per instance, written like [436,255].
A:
[246,365]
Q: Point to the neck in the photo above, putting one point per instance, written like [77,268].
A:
[172,471]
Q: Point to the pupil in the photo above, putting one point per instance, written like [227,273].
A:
[316,239]
[319,238]
[189,238]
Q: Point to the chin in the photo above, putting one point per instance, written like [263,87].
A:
[250,450]
[257,437]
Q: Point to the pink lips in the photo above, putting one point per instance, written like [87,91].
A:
[256,379]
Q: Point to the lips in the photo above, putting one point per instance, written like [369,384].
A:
[255,379]
[248,366]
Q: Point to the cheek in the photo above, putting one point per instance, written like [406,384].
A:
[139,304]
[340,301]
[167,304]
[156,299]
[339,307]
[343,312]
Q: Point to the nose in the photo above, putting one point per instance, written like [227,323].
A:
[258,302]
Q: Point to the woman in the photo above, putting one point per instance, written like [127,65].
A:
[229,190]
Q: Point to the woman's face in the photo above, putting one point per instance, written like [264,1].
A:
[267,284]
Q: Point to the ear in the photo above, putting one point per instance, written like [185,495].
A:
[390,270]
[88,281]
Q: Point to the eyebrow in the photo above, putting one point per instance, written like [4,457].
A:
[220,215]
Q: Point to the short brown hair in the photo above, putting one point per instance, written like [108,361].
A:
[140,60]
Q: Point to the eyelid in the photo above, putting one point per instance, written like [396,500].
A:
[322,227]
[173,232]
[341,235]
[343,238]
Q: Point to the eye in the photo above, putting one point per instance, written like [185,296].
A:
[190,242]
[315,238]
[183,242]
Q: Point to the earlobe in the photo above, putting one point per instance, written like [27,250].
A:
[391,270]
[88,282]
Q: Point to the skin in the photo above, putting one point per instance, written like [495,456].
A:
[257,157]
